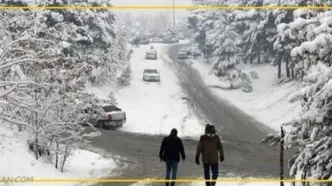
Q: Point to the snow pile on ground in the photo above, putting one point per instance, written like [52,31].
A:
[17,161]
[151,107]
[268,102]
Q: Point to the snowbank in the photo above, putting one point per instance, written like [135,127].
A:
[268,102]
[153,108]
[16,160]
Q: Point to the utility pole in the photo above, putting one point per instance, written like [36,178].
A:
[282,157]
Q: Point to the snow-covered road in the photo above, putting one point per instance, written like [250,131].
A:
[151,107]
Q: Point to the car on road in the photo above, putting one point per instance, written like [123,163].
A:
[111,117]
[151,54]
[174,40]
[151,75]
[194,51]
[144,41]
[182,54]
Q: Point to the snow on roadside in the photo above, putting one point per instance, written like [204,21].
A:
[268,103]
[153,108]
[16,160]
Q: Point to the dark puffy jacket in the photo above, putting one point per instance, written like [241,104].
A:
[171,148]
[209,145]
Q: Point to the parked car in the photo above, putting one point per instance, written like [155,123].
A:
[159,40]
[194,51]
[151,54]
[247,88]
[182,54]
[112,117]
[151,75]
[144,41]
[174,40]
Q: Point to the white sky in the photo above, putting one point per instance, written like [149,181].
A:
[178,13]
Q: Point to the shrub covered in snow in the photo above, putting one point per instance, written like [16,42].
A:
[46,59]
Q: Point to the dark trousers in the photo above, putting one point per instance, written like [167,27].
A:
[215,171]
[171,168]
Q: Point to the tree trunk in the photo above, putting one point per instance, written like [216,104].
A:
[279,67]
[65,156]
[292,72]
[304,177]
[287,68]
[36,146]
[36,136]
[259,55]
[282,157]
[57,155]
[251,59]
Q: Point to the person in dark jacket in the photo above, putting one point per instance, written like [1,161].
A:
[209,145]
[170,150]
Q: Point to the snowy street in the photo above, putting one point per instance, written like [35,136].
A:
[154,107]
[139,141]
[175,89]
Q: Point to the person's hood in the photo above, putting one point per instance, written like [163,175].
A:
[173,133]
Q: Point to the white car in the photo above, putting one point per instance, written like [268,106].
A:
[112,117]
[194,51]
[151,75]
[151,54]
[182,54]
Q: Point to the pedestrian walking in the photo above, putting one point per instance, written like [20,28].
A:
[170,151]
[209,145]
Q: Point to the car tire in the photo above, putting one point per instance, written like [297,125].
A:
[106,127]
[99,124]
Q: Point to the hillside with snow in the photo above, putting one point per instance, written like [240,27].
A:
[268,101]
[17,161]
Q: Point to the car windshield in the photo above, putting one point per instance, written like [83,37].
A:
[110,108]
[151,71]
[182,51]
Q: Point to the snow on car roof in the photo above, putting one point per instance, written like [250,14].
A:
[106,104]
[151,70]
[151,50]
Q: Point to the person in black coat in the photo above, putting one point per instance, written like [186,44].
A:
[170,151]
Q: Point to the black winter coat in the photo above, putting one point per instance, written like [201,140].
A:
[171,148]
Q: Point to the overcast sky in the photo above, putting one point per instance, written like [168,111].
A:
[178,13]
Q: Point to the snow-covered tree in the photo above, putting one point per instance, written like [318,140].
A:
[227,63]
[311,131]
[32,101]
[46,59]
[309,45]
